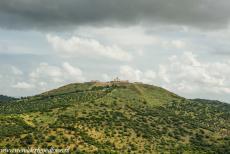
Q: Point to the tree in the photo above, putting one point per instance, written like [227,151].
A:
[27,140]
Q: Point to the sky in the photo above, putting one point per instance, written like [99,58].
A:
[180,45]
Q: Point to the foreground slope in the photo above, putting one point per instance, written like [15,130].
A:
[116,118]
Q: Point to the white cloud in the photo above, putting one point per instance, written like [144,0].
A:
[42,78]
[47,72]
[46,77]
[76,46]
[186,74]
[135,38]
[133,74]
[23,85]
[130,73]
[76,72]
[64,74]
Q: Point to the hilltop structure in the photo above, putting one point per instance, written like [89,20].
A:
[116,80]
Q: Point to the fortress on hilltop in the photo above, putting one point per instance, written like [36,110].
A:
[114,81]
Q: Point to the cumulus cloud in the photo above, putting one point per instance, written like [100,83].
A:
[44,71]
[185,75]
[76,46]
[130,73]
[64,74]
[189,75]
[43,14]
[47,76]
[71,70]
[127,72]
[138,38]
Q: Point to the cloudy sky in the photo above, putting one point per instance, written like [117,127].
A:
[181,45]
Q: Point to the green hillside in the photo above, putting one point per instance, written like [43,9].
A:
[115,118]
[4,98]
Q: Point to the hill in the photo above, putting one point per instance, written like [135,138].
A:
[4,98]
[116,118]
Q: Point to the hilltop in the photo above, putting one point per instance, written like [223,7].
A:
[116,117]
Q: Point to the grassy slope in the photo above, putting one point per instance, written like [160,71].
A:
[120,119]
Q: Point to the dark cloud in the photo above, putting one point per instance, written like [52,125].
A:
[48,14]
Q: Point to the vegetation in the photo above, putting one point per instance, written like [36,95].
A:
[118,118]
[4,98]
